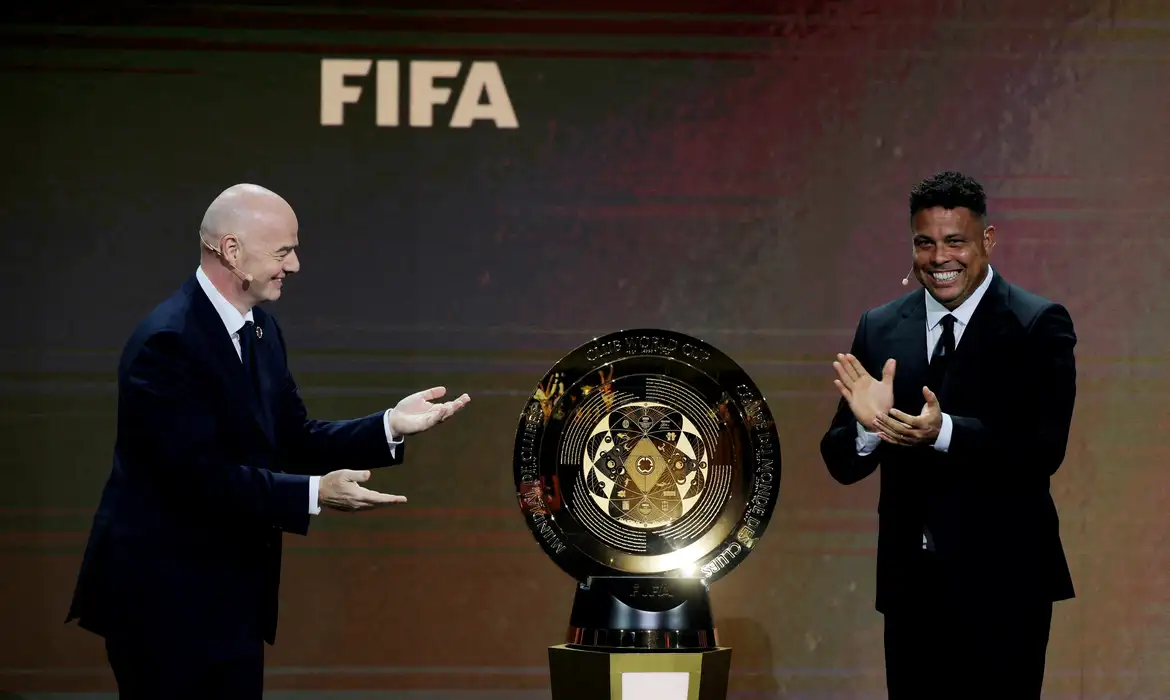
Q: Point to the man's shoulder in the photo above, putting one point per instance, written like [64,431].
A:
[895,309]
[171,317]
[174,312]
[1026,305]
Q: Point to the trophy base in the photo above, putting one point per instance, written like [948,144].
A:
[643,614]
[599,674]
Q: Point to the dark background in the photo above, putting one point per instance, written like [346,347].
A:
[733,170]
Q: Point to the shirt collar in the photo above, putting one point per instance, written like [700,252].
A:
[935,311]
[232,319]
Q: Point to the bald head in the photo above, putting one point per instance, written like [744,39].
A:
[249,230]
[241,210]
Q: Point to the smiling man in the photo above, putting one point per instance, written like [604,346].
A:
[215,458]
[963,393]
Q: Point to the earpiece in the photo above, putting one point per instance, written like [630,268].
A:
[244,276]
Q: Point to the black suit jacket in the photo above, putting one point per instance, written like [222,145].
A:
[1010,392]
[185,546]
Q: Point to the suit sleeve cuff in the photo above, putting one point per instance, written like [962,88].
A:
[287,491]
[942,443]
[866,441]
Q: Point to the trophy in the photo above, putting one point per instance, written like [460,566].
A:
[647,466]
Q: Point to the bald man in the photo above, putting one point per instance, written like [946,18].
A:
[216,458]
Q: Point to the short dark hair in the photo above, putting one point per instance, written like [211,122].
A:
[949,190]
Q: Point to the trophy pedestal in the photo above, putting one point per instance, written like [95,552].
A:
[645,613]
[606,674]
[640,638]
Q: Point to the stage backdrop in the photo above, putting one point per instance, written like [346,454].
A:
[483,188]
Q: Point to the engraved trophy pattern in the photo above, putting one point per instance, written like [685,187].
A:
[645,465]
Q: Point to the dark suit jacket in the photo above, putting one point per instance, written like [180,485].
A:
[1009,391]
[185,547]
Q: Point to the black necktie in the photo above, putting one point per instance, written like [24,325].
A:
[940,357]
[943,350]
[248,355]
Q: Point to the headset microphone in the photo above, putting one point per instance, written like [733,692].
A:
[906,279]
[245,276]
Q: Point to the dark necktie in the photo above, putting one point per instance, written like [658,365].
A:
[248,355]
[940,357]
[943,350]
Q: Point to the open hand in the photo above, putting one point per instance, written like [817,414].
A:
[416,413]
[867,397]
[898,428]
[341,490]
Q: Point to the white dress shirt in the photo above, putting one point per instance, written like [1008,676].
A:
[233,321]
[867,442]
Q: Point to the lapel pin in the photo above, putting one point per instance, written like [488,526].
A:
[259,332]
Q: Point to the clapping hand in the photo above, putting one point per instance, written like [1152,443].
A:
[898,428]
[867,397]
[416,413]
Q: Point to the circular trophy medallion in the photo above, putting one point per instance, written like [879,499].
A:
[647,452]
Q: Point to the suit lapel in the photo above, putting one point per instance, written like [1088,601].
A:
[222,353]
[908,347]
[264,345]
